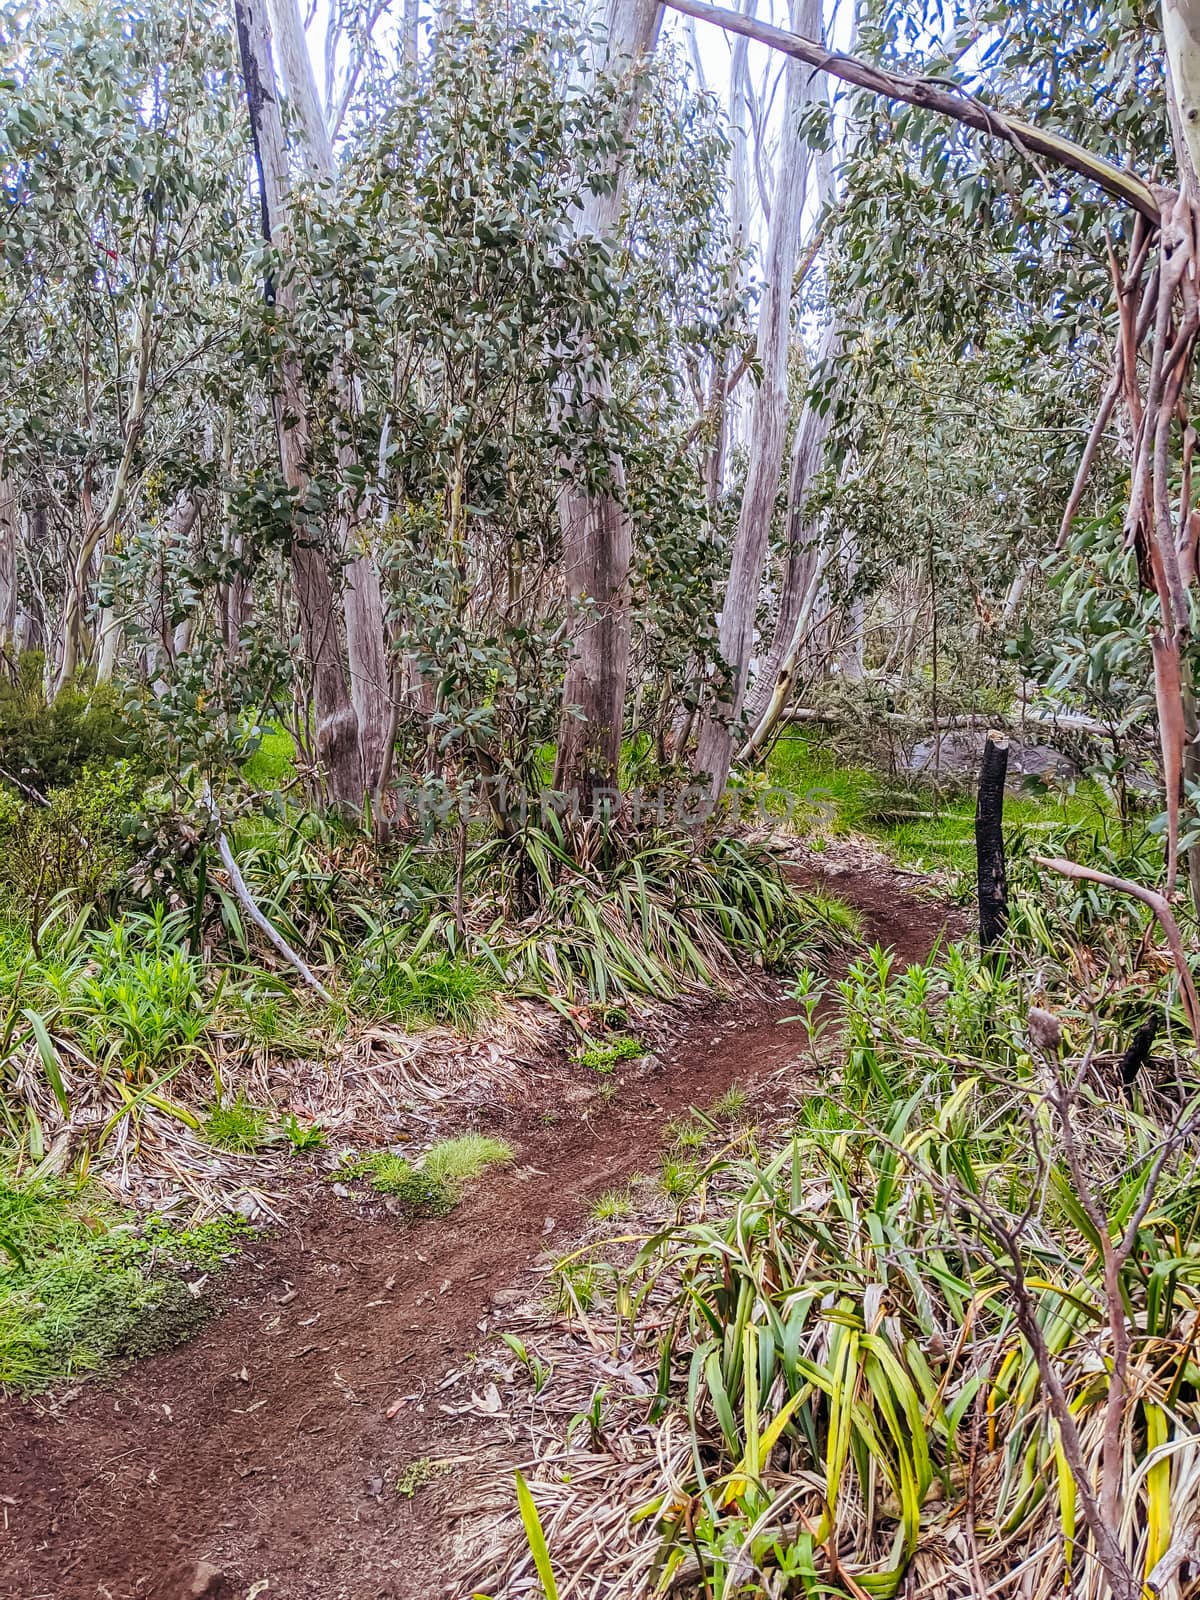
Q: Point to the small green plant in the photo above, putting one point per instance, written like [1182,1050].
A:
[592,1419]
[603,1058]
[433,1187]
[456,1162]
[809,991]
[678,1178]
[417,1474]
[538,1548]
[685,1133]
[393,1175]
[238,1126]
[538,1370]
[729,1106]
[612,1206]
[578,1283]
[302,1136]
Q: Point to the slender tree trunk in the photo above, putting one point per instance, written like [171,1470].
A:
[362,597]
[769,424]
[596,525]
[337,742]
[803,538]
[989,842]
[10,530]
[787,675]
[98,528]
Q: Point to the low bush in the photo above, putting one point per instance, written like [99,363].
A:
[46,746]
[82,1284]
[79,844]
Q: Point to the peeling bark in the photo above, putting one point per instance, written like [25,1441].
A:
[337,740]
[769,424]
[597,529]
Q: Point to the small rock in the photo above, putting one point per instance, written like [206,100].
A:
[206,1580]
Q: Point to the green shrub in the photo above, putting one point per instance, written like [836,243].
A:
[46,746]
[79,843]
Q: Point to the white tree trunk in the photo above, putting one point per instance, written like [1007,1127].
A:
[769,422]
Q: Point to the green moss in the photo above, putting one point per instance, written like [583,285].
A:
[83,1285]
[604,1057]
[417,1474]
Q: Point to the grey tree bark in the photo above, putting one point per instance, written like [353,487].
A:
[769,421]
[362,595]
[10,534]
[336,723]
[597,530]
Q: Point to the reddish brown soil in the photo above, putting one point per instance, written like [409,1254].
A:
[262,1449]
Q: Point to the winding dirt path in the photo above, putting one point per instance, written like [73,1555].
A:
[260,1458]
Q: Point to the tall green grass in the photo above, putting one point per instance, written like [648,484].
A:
[922,826]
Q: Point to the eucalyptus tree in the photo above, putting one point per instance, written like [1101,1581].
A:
[768,426]
[117,227]
[597,527]
[337,731]
[1160,303]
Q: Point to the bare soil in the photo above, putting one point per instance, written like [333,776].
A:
[261,1458]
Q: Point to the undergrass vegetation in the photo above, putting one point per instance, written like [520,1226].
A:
[238,1126]
[457,1162]
[604,1057]
[435,991]
[932,1309]
[84,1284]
[930,827]
[435,1184]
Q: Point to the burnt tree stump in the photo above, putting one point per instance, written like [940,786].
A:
[989,842]
[1138,1054]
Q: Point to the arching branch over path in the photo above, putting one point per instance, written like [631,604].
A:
[933,95]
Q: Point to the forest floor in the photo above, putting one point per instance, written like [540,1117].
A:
[262,1458]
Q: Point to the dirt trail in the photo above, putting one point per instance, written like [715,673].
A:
[262,1449]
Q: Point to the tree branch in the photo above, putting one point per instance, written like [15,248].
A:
[947,101]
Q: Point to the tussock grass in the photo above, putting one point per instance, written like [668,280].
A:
[238,1126]
[434,1185]
[457,1162]
[435,991]
[612,1206]
[830,1323]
